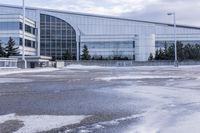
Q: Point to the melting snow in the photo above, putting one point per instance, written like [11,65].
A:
[39,123]
[137,77]
[14,80]
[16,71]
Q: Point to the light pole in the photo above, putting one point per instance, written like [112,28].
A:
[23,47]
[175,40]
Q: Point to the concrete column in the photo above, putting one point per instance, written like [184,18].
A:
[38,32]
[144,45]
[77,48]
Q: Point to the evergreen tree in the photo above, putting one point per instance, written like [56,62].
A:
[157,55]
[171,54]
[161,54]
[166,57]
[10,49]
[184,52]
[150,57]
[195,52]
[187,54]
[180,51]
[2,50]
[67,55]
[85,55]
[197,47]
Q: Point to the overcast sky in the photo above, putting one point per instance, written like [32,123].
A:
[188,11]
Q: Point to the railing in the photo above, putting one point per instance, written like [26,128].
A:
[8,63]
[120,63]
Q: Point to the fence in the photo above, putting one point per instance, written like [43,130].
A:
[8,63]
[131,63]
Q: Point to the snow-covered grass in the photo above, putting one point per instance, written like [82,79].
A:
[16,71]
[39,123]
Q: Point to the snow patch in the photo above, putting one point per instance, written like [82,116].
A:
[36,70]
[169,109]
[14,80]
[83,67]
[137,77]
[190,123]
[84,131]
[39,123]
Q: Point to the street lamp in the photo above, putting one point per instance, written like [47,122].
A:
[23,47]
[175,41]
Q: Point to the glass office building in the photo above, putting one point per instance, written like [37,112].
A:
[53,32]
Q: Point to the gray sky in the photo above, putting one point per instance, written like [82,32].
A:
[151,10]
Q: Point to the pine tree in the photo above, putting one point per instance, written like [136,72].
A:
[2,50]
[85,55]
[157,55]
[166,57]
[171,54]
[161,54]
[10,49]
[67,55]
[187,51]
[180,51]
[150,57]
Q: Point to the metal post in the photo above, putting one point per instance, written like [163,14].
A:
[175,40]
[23,47]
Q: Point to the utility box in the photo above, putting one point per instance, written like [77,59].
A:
[60,64]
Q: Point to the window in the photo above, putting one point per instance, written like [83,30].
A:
[4,40]
[56,35]
[34,46]
[33,31]
[28,43]
[110,49]
[28,28]
[20,41]
[9,25]
[20,26]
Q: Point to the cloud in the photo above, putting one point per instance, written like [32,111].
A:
[150,10]
[105,7]
[186,12]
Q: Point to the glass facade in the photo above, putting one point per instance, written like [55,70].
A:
[4,40]
[56,37]
[18,41]
[17,26]
[29,29]
[161,44]
[9,25]
[111,49]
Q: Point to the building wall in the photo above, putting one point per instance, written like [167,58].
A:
[107,30]
[11,26]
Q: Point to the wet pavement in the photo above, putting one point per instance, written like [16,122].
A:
[82,92]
